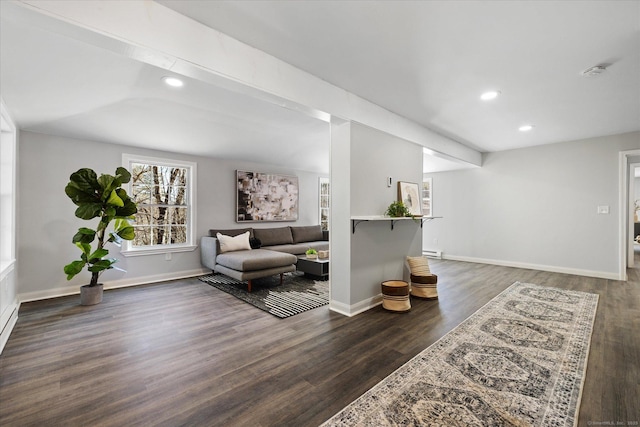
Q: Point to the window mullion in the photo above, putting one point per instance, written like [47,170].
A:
[159,224]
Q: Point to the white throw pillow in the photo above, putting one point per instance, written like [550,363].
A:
[237,243]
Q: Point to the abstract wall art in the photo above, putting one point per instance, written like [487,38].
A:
[266,197]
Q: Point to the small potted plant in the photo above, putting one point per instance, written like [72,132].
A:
[398,210]
[99,197]
[312,253]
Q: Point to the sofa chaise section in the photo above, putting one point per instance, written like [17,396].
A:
[246,264]
[253,264]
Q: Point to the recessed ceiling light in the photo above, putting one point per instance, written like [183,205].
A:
[172,81]
[492,94]
[525,128]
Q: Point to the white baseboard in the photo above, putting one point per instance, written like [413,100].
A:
[540,267]
[123,283]
[8,322]
[357,308]
[114,284]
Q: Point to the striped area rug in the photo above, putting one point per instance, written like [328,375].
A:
[297,293]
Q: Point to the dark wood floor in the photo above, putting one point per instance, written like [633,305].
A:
[184,353]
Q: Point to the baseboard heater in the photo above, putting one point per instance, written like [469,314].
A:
[432,254]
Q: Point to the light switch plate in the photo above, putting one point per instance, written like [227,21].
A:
[603,210]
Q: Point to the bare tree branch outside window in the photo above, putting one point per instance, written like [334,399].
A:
[163,210]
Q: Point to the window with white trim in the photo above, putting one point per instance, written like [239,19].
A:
[164,192]
[427,196]
[7,192]
[325,196]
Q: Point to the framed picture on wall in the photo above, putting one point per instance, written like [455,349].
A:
[409,194]
[266,197]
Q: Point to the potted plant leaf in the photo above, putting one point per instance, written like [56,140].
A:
[398,210]
[99,197]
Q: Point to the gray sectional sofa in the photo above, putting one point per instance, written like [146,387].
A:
[273,251]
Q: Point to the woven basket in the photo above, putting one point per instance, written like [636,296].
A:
[395,295]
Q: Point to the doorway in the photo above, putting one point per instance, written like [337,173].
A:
[629,161]
[634,214]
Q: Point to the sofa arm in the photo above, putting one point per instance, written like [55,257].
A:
[208,251]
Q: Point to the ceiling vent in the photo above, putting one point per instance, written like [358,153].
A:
[595,70]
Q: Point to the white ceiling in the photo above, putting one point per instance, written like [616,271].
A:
[428,61]
[54,84]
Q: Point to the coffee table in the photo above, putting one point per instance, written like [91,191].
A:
[317,268]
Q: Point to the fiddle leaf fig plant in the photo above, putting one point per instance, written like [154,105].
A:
[99,197]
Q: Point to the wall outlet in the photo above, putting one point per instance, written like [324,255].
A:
[603,210]
[435,241]
[167,256]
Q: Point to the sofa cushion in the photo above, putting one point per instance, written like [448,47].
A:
[255,243]
[231,232]
[256,259]
[273,236]
[310,233]
[233,243]
[290,249]
[299,248]
[255,274]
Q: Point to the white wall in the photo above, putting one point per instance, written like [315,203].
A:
[535,207]
[46,220]
[361,160]
[377,252]
[340,235]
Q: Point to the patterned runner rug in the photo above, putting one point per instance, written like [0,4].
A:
[518,361]
[296,294]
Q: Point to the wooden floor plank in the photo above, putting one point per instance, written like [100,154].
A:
[185,353]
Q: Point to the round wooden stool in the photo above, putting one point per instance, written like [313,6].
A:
[424,286]
[395,295]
